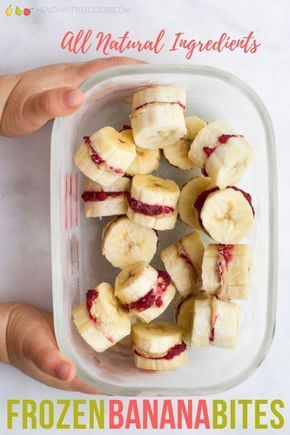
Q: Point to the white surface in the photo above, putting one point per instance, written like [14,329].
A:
[24,185]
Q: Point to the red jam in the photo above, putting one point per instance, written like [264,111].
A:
[246,195]
[226,252]
[225,137]
[186,258]
[99,196]
[91,296]
[208,151]
[126,127]
[153,297]
[202,198]
[168,102]
[148,209]
[222,140]
[212,330]
[171,353]
[96,158]
[225,256]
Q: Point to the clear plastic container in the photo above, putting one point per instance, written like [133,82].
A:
[77,263]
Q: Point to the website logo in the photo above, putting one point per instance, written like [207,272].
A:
[11,10]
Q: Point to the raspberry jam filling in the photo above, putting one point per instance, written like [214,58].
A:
[153,297]
[212,331]
[246,195]
[125,127]
[186,258]
[200,200]
[225,256]
[148,209]
[91,296]
[213,319]
[221,141]
[96,158]
[168,102]
[171,353]
[91,196]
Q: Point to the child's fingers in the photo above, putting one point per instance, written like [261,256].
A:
[50,360]
[86,69]
[41,107]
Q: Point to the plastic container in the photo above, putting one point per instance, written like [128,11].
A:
[77,263]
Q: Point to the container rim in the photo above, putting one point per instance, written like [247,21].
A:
[255,100]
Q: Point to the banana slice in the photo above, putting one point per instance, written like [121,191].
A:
[226,215]
[152,202]
[225,271]
[99,321]
[145,162]
[161,94]
[209,321]
[188,195]
[144,292]
[177,154]
[106,201]
[157,118]
[158,346]
[207,138]
[105,156]
[183,260]
[184,316]
[125,242]
[221,154]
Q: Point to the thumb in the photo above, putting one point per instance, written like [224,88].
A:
[41,107]
[51,362]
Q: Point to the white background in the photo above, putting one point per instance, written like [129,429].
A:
[26,42]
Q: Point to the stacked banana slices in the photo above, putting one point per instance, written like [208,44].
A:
[106,201]
[144,292]
[208,276]
[226,271]
[209,321]
[105,156]
[157,116]
[100,321]
[227,215]
[153,201]
[221,153]
[183,260]
[158,346]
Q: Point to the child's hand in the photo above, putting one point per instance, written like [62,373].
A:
[29,99]
[31,347]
